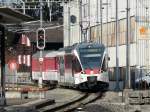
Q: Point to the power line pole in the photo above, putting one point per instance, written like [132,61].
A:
[97,21]
[41,13]
[117,53]
[128,77]
[107,31]
[50,10]
[69,25]
[88,29]
[81,27]
[41,53]
[101,19]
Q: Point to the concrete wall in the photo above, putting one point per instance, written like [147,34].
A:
[122,55]
[15,94]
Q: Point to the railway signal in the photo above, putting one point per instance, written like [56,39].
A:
[40,38]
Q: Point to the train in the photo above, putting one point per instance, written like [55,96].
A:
[82,65]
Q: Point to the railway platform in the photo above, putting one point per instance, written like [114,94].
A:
[53,97]
[60,98]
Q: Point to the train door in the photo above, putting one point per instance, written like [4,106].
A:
[61,69]
[68,70]
[104,69]
[76,69]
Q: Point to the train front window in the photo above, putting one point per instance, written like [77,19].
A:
[91,58]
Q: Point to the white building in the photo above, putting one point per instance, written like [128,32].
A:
[88,13]
[91,15]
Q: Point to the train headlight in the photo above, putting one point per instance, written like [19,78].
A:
[82,72]
[91,72]
[99,70]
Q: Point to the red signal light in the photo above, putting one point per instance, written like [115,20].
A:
[13,65]
[40,38]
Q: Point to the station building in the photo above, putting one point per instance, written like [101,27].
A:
[14,15]
[82,22]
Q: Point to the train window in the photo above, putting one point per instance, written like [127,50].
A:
[61,65]
[76,65]
[68,59]
[90,61]
[91,57]
[91,50]
[104,65]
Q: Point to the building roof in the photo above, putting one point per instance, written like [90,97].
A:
[8,15]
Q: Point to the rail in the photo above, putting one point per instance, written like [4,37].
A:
[83,99]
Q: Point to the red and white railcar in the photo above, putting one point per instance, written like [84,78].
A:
[47,69]
[83,65]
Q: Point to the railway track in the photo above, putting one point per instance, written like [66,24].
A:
[58,100]
[71,105]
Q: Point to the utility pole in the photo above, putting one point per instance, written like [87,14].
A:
[117,53]
[101,19]
[89,17]
[107,32]
[50,10]
[80,9]
[69,25]
[147,41]
[41,53]
[97,21]
[41,13]
[128,77]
